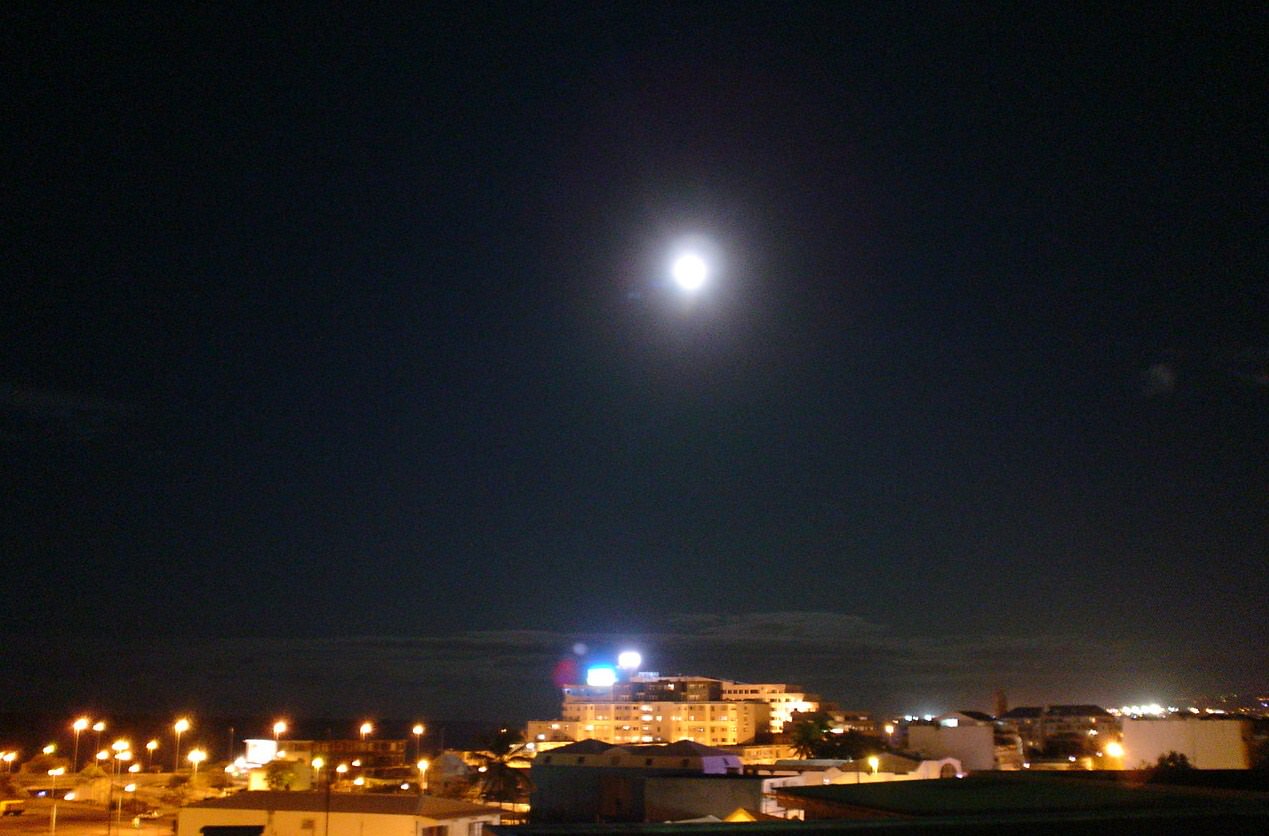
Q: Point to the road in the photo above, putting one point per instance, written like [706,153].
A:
[80,819]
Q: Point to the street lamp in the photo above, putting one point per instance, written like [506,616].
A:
[149,748]
[122,754]
[128,788]
[9,758]
[79,725]
[180,727]
[49,749]
[422,765]
[196,756]
[874,762]
[366,728]
[99,727]
[418,730]
[53,773]
[279,729]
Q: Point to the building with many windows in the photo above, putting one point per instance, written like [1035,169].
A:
[649,708]
[785,700]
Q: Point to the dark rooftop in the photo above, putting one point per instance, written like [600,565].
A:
[340,802]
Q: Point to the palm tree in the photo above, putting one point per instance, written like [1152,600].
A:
[809,734]
[500,781]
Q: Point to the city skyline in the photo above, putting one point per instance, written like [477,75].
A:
[352,352]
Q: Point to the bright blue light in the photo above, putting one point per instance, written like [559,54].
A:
[601,676]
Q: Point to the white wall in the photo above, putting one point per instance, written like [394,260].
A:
[973,746]
[1208,744]
[290,823]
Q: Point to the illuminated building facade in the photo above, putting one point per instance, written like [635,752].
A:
[784,699]
[713,723]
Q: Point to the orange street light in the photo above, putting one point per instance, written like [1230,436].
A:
[179,727]
[78,726]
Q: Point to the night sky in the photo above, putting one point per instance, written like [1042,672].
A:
[343,371]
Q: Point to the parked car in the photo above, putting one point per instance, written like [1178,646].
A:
[12,807]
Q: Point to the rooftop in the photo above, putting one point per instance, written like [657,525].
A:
[403,805]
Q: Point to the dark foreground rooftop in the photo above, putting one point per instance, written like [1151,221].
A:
[998,805]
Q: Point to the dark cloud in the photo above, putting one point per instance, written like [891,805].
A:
[507,674]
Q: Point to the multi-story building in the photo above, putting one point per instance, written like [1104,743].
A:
[1064,729]
[710,723]
[649,708]
[783,698]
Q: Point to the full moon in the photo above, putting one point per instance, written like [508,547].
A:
[689,271]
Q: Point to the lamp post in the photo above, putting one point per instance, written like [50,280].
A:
[149,753]
[279,729]
[53,773]
[422,765]
[127,788]
[366,728]
[99,727]
[122,754]
[196,756]
[418,734]
[179,727]
[79,726]
[9,758]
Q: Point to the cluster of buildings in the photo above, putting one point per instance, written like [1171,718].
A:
[642,747]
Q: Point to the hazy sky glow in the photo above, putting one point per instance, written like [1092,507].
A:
[345,348]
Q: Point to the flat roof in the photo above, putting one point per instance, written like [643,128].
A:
[427,806]
[1023,793]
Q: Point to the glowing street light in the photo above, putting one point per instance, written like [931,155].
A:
[49,749]
[1115,749]
[874,762]
[422,765]
[98,728]
[279,729]
[366,728]
[629,660]
[8,758]
[196,756]
[180,727]
[418,734]
[78,726]
[149,748]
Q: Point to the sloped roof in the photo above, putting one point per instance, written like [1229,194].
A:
[678,749]
[978,715]
[342,802]
[1078,711]
[1022,712]
[589,746]
[1032,712]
